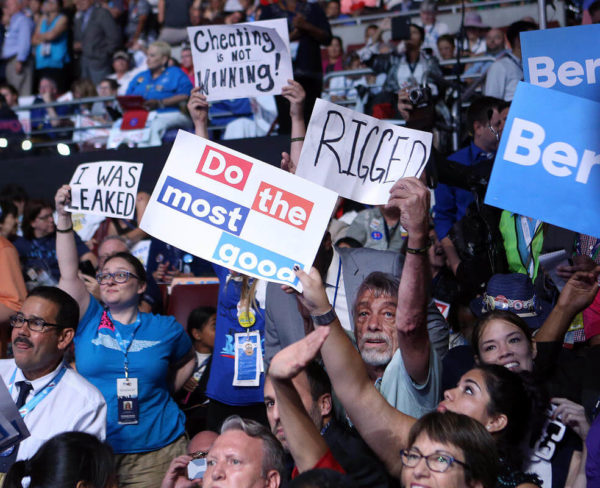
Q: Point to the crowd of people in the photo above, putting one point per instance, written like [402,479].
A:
[430,345]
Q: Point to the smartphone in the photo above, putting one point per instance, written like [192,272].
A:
[196,469]
[401,28]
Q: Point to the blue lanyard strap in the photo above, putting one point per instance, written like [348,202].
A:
[38,397]
[125,344]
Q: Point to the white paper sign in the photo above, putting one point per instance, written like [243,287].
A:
[234,210]
[358,156]
[241,60]
[106,188]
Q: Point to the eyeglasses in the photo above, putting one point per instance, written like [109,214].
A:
[117,276]
[199,454]
[34,324]
[439,463]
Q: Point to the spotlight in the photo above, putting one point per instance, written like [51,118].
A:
[26,145]
[63,149]
[3,142]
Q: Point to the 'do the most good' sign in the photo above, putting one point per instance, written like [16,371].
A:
[236,211]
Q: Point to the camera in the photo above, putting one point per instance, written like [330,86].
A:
[419,96]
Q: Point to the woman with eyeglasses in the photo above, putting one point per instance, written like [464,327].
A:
[449,450]
[135,359]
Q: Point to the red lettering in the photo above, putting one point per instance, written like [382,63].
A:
[282,205]
[224,167]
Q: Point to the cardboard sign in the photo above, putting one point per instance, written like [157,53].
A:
[565,59]
[358,156]
[548,163]
[241,60]
[106,188]
[236,211]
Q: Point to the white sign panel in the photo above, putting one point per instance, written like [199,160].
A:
[234,210]
[241,60]
[358,156]
[106,188]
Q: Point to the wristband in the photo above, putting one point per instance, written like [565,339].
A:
[65,231]
[297,139]
[419,251]
[324,319]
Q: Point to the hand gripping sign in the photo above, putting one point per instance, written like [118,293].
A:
[358,156]
[236,211]
[241,60]
[105,188]
[565,59]
[548,163]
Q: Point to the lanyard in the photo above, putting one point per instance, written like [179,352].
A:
[528,238]
[38,397]
[125,344]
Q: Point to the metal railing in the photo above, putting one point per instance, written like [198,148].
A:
[452,9]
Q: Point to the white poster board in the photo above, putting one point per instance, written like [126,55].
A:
[231,209]
[358,156]
[106,188]
[241,60]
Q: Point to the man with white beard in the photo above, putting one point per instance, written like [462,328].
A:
[412,390]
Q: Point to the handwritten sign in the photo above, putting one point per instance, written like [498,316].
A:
[551,61]
[236,211]
[358,156]
[241,60]
[548,167]
[106,188]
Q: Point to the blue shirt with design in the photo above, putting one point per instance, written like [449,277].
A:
[220,383]
[158,343]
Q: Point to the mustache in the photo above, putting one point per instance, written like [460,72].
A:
[24,340]
[378,336]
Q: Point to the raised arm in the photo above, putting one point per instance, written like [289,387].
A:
[296,95]
[66,252]
[198,109]
[304,440]
[386,430]
[578,293]
[411,197]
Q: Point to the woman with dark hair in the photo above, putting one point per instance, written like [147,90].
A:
[50,41]
[68,460]
[37,246]
[9,219]
[334,60]
[453,448]
[135,359]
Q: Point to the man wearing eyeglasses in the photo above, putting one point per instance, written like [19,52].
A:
[51,397]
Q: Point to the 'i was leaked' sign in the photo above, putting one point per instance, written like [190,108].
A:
[548,163]
[565,59]
[236,211]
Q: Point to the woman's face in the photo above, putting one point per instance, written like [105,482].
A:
[446,49]
[113,293]
[422,476]
[470,397]
[334,50]
[505,344]
[8,227]
[415,37]
[155,58]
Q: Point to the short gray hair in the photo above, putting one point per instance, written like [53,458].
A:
[380,284]
[163,48]
[273,454]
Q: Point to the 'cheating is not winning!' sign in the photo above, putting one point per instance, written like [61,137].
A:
[106,188]
[548,163]
[236,211]
[241,60]
[358,156]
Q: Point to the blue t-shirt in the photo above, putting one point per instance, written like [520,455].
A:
[172,81]
[220,383]
[159,342]
[40,254]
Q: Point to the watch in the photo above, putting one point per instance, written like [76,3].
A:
[324,319]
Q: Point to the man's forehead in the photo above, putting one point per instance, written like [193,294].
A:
[369,296]
[236,442]
[40,307]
